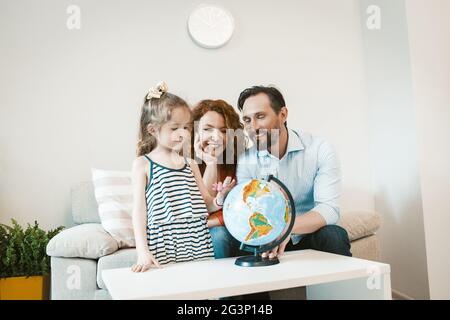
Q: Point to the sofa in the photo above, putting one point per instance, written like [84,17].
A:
[80,253]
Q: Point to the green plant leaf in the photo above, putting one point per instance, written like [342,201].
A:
[23,251]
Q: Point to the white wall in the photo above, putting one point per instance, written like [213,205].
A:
[429,38]
[394,148]
[70,100]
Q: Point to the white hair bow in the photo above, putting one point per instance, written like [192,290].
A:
[157,91]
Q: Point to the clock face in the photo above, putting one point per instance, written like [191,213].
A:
[210,26]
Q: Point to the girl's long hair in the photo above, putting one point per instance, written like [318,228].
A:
[155,111]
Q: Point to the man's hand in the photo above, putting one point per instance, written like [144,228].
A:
[277,251]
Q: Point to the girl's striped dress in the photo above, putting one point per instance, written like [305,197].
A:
[176,215]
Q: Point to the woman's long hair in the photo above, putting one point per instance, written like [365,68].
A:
[232,121]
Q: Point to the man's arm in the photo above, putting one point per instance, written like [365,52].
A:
[309,222]
[327,185]
[327,191]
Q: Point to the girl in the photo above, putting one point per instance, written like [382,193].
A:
[170,200]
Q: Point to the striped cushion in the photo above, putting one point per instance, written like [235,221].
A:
[113,192]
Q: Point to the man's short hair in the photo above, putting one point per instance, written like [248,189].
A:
[276,98]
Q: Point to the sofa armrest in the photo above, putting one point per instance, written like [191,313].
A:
[87,240]
[73,278]
[360,224]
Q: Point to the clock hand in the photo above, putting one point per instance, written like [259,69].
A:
[203,20]
[209,17]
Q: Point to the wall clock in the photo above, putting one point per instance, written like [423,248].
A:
[210,26]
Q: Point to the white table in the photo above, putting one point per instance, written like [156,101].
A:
[325,276]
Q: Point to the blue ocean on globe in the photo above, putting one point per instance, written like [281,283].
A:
[256,212]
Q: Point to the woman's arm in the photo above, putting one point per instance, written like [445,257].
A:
[209,200]
[210,177]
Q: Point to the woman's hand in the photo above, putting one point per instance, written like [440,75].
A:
[223,189]
[213,220]
[145,261]
[209,156]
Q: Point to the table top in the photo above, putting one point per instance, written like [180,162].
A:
[209,279]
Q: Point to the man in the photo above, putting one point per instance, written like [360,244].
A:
[307,165]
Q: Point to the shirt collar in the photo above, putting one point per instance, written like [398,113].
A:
[294,144]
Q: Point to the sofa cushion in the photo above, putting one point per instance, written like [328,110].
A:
[87,240]
[114,194]
[124,258]
[84,205]
[367,248]
[360,224]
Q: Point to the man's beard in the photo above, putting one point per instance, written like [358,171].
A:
[271,138]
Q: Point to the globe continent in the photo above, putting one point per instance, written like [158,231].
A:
[256,212]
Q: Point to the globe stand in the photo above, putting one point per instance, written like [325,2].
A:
[255,260]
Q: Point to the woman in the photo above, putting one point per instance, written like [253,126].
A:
[217,141]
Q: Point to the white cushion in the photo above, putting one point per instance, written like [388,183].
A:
[87,240]
[113,192]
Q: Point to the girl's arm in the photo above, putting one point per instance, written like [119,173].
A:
[210,201]
[139,215]
[139,181]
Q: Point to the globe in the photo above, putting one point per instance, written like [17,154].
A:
[260,214]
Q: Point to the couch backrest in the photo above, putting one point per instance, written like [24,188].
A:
[85,210]
[84,204]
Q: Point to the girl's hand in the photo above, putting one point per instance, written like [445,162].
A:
[145,261]
[209,157]
[223,189]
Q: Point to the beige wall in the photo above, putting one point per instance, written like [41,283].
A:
[70,99]
[429,38]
